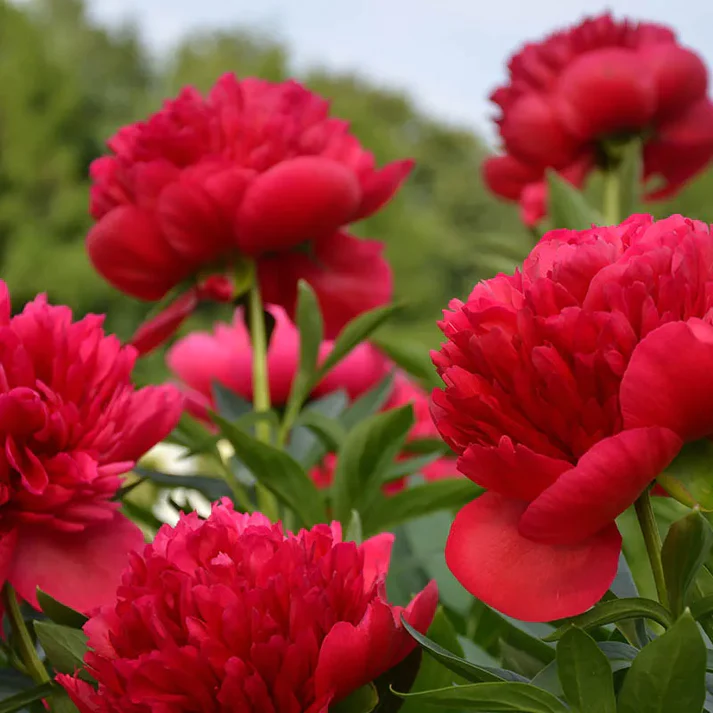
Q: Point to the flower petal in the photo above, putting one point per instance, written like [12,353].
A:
[527,580]
[380,186]
[606,481]
[669,380]
[377,555]
[513,471]
[297,200]
[80,569]
[155,331]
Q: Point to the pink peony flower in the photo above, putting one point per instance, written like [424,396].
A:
[253,170]
[71,424]
[583,86]
[569,387]
[233,614]
[225,356]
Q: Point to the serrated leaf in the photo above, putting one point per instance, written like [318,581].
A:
[585,673]
[614,611]
[24,698]
[60,613]
[685,550]
[278,472]
[65,647]
[567,207]
[493,698]
[668,675]
[357,331]
[416,501]
[368,451]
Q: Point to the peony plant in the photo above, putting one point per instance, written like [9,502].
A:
[520,522]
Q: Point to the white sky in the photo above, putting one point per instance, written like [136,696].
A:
[448,54]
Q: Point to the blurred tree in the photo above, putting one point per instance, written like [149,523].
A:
[68,84]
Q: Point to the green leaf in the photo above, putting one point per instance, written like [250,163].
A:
[702,607]
[456,664]
[25,698]
[619,654]
[363,700]
[411,357]
[689,478]
[65,647]
[304,446]
[493,697]
[409,466]
[685,550]
[367,453]
[433,674]
[568,208]
[624,587]
[356,331]
[329,431]
[585,673]
[278,472]
[668,676]
[228,404]
[614,611]
[630,172]
[60,613]
[415,501]
[311,330]
[213,488]
[354,532]
[367,404]
[427,446]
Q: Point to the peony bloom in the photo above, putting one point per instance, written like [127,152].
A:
[71,424]
[404,392]
[569,387]
[233,614]
[600,80]
[254,170]
[225,356]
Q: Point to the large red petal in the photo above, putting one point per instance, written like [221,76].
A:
[508,177]
[608,478]
[80,569]
[128,249]
[296,201]
[669,380]
[511,470]
[527,580]
[604,91]
[379,187]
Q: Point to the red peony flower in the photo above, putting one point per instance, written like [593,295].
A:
[569,387]
[232,614]
[201,358]
[71,423]
[600,80]
[254,169]
[404,392]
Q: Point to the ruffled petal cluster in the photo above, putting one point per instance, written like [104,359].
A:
[71,423]
[254,170]
[569,387]
[234,614]
[601,80]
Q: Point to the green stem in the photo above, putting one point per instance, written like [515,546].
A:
[25,646]
[612,197]
[261,388]
[652,539]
